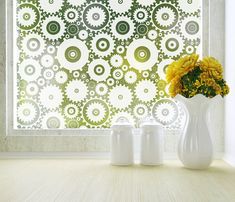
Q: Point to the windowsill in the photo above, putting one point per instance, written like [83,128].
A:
[81,155]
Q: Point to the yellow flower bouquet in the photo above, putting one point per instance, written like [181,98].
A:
[189,76]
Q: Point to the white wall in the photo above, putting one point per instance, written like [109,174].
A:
[216,48]
[230,77]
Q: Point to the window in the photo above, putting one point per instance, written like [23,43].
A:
[83,64]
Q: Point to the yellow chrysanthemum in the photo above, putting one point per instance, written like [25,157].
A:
[212,66]
[181,67]
[204,76]
[216,74]
[226,90]
[171,71]
[175,87]
[217,89]
[197,83]
[210,82]
[185,77]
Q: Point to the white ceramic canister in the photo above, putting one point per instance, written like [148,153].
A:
[122,143]
[152,143]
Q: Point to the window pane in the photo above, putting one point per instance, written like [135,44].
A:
[84,64]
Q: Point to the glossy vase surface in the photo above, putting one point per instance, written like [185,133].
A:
[195,148]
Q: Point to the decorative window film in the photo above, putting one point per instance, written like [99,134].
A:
[83,64]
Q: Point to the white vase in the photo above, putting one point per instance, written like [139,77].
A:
[195,148]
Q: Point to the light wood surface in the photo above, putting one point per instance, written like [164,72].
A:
[88,180]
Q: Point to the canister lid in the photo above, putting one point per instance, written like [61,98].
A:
[150,121]
[122,121]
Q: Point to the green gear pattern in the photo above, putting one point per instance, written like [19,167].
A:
[103,36]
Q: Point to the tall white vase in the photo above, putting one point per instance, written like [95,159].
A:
[195,148]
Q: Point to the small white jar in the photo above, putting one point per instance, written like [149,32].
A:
[122,143]
[152,143]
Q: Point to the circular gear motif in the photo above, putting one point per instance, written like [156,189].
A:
[48,74]
[29,70]
[130,77]
[125,67]
[73,54]
[190,6]
[95,112]
[141,111]
[165,111]
[72,29]
[152,34]
[145,74]
[145,90]
[146,3]
[190,28]
[33,45]
[161,85]
[28,16]
[32,89]
[71,111]
[53,28]
[83,34]
[76,74]
[142,54]
[120,6]
[53,120]
[117,74]
[27,112]
[91,84]
[51,49]
[102,44]
[41,81]
[161,68]
[122,28]
[116,60]
[47,61]
[190,49]
[51,97]
[76,90]
[72,124]
[101,89]
[172,45]
[95,16]
[165,16]
[99,70]
[61,77]
[120,49]
[51,6]
[71,15]
[140,15]
[120,97]
[142,29]
[76,2]
[122,115]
